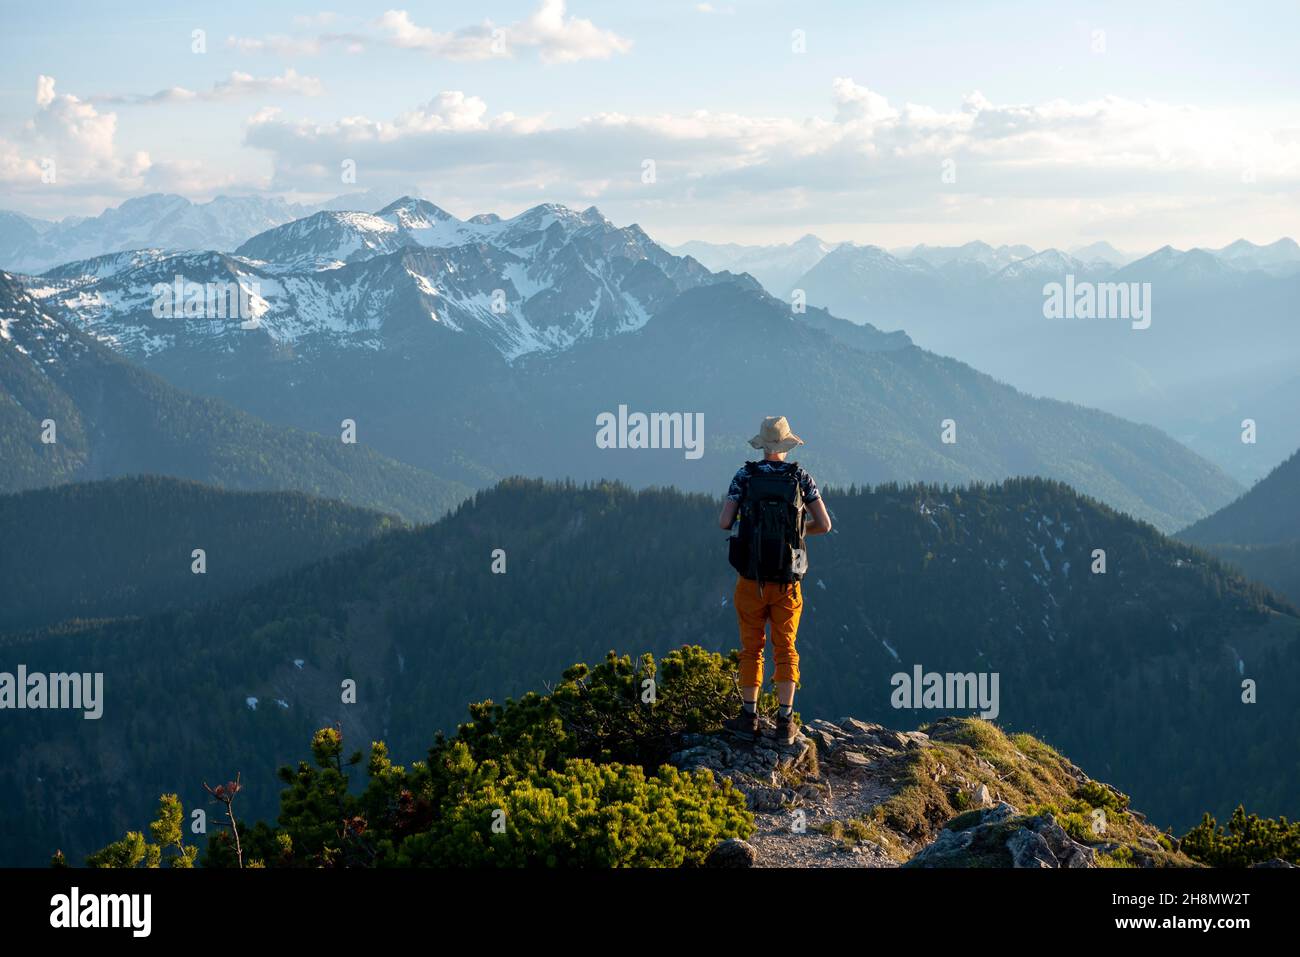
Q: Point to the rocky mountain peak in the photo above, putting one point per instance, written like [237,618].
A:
[957,793]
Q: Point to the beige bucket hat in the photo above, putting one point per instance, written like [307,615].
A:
[774,435]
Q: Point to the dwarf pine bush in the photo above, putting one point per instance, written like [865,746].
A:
[572,778]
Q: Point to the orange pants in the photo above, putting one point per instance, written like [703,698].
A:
[782,605]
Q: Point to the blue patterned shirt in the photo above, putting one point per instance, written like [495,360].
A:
[809,487]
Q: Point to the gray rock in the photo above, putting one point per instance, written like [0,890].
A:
[855,727]
[1029,849]
[853,759]
[998,813]
[1066,850]
[947,847]
[821,724]
[732,852]
[824,740]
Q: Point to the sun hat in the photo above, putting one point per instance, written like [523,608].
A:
[774,435]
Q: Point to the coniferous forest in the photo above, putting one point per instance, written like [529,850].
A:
[982,579]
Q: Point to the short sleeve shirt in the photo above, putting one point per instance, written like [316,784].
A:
[809,487]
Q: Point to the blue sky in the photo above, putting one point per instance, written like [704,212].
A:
[1047,123]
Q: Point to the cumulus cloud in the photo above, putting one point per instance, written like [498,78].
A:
[549,31]
[561,39]
[864,158]
[69,137]
[238,84]
[481,42]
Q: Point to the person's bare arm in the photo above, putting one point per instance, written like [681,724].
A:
[729,509]
[821,519]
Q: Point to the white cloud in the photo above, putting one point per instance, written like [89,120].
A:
[238,84]
[561,39]
[76,138]
[868,159]
[468,43]
[549,31]
[862,158]
[557,38]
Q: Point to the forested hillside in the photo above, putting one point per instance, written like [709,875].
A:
[125,546]
[72,410]
[1136,672]
[1259,532]
[483,393]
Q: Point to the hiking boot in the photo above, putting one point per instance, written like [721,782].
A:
[743,725]
[786,730]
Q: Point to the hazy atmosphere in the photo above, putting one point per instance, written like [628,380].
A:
[765,121]
[684,436]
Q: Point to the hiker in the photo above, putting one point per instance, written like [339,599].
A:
[778,506]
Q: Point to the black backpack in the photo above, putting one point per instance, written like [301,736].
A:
[768,542]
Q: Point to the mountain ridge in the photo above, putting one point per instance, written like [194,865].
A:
[72,409]
[982,579]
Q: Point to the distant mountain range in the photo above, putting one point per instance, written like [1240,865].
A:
[158,220]
[779,266]
[993,579]
[1197,372]
[71,409]
[474,348]
[1220,347]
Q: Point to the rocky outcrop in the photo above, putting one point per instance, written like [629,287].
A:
[1002,837]
[772,776]
[856,794]
[799,792]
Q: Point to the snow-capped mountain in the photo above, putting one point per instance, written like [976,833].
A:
[993,258]
[324,240]
[30,330]
[1184,266]
[1279,258]
[157,220]
[537,282]
[109,417]
[499,344]
[83,271]
[1050,265]
[776,266]
[365,201]
[1102,252]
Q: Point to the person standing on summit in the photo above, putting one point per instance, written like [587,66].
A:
[774,501]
